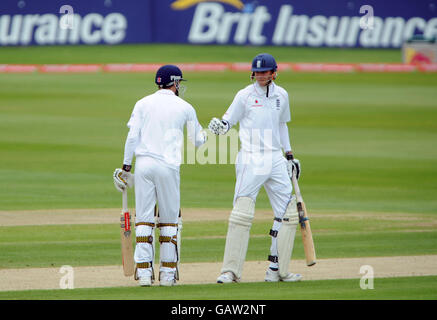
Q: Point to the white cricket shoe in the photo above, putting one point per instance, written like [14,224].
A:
[292,277]
[145,281]
[166,279]
[273,276]
[227,277]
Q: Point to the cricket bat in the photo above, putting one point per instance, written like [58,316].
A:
[127,254]
[307,236]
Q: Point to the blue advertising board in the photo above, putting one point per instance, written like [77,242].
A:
[313,23]
[65,22]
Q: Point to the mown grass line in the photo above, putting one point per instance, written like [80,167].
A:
[401,288]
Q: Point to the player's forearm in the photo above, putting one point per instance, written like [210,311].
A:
[200,138]
[196,134]
[230,121]
[284,137]
[129,148]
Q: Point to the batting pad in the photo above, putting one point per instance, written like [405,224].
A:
[144,249]
[237,238]
[286,235]
[168,249]
[179,241]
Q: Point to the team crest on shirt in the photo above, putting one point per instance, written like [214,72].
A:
[256,103]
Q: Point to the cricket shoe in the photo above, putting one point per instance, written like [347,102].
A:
[145,281]
[227,277]
[167,279]
[273,276]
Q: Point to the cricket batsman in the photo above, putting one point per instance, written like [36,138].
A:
[262,109]
[155,138]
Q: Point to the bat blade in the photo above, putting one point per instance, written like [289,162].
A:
[305,228]
[307,235]
[127,255]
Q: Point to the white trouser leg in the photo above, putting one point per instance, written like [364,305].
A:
[249,178]
[156,182]
[145,200]
[167,184]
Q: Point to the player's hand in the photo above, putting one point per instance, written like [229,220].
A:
[123,179]
[218,126]
[293,165]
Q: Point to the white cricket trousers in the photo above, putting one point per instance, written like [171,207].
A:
[268,169]
[255,170]
[156,182]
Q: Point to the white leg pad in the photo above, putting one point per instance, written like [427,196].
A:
[144,250]
[286,235]
[237,238]
[179,245]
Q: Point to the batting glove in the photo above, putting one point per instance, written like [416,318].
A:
[123,179]
[218,126]
[293,165]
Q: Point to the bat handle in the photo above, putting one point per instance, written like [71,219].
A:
[296,188]
[124,201]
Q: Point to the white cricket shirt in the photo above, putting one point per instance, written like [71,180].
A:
[157,128]
[260,117]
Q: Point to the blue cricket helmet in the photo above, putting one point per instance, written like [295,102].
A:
[264,62]
[167,75]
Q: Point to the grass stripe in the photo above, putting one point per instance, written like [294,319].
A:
[84,245]
[403,288]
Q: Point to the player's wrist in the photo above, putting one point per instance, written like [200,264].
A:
[127,167]
[226,125]
[289,155]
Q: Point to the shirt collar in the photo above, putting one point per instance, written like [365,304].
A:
[261,91]
[165,91]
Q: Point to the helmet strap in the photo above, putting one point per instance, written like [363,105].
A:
[180,89]
[274,75]
[176,85]
[269,82]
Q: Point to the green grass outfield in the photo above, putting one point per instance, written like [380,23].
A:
[366,142]
[169,53]
[403,288]
[339,237]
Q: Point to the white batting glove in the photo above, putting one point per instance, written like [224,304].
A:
[218,126]
[296,166]
[123,179]
[292,166]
